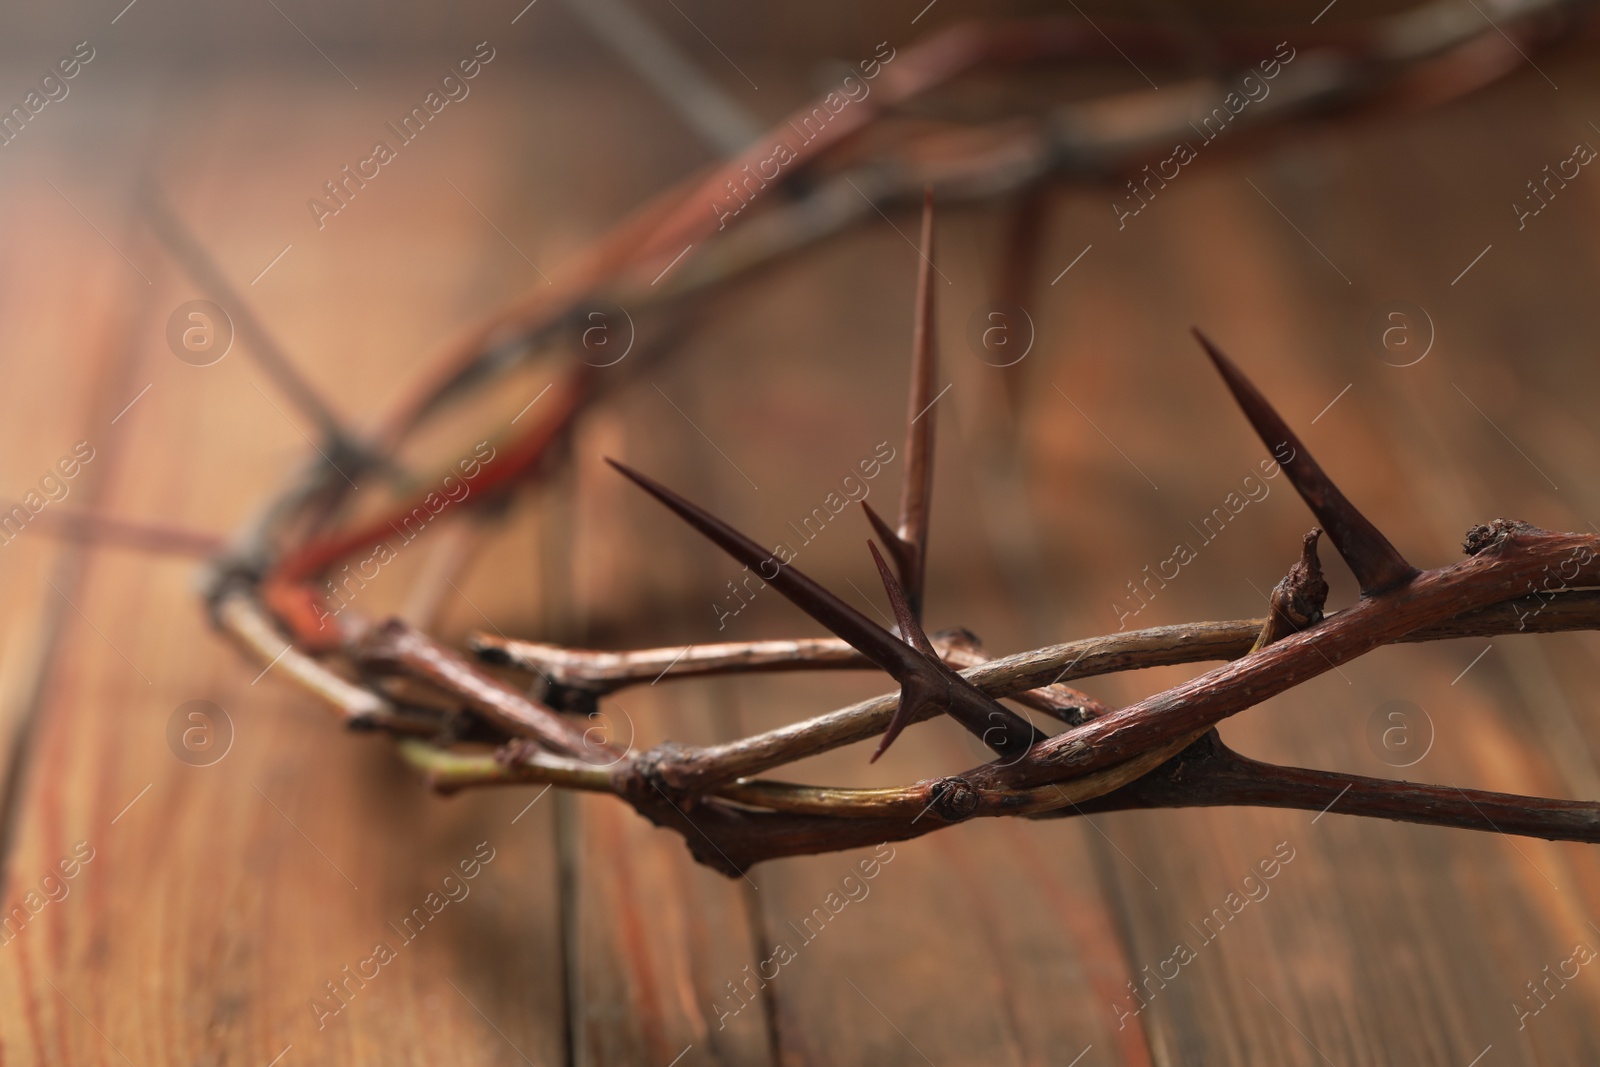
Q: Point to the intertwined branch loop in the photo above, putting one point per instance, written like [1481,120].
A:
[270,589]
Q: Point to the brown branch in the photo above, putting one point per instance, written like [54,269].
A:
[395,647]
[1505,566]
[1160,751]
[734,839]
[1209,774]
[1091,139]
[595,673]
[239,615]
[926,683]
[605,671]
[600,672]
[701,769]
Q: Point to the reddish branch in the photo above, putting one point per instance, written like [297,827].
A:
[464,726]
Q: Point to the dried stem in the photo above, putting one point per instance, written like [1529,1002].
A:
[1162,751]
[132,533]
[186,248]
[396,647]
[1209,774]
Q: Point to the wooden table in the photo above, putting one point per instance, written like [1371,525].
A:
[223,903]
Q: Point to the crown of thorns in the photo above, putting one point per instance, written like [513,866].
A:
[443,707]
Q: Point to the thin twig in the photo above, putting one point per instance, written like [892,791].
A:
[1161,751]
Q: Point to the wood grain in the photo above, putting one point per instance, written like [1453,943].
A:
[220,900]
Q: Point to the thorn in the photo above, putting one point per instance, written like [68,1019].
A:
[936,684]
[900,551]
[864,635]
[910,629]
[917,691]
[924,679]
[1377,564]
[914,693]
[916,487]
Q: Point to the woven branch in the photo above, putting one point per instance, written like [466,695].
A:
[267,591]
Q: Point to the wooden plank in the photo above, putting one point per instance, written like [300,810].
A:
[223,898]
[230,895]
[655,936]
[1377,943]
[959,946]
